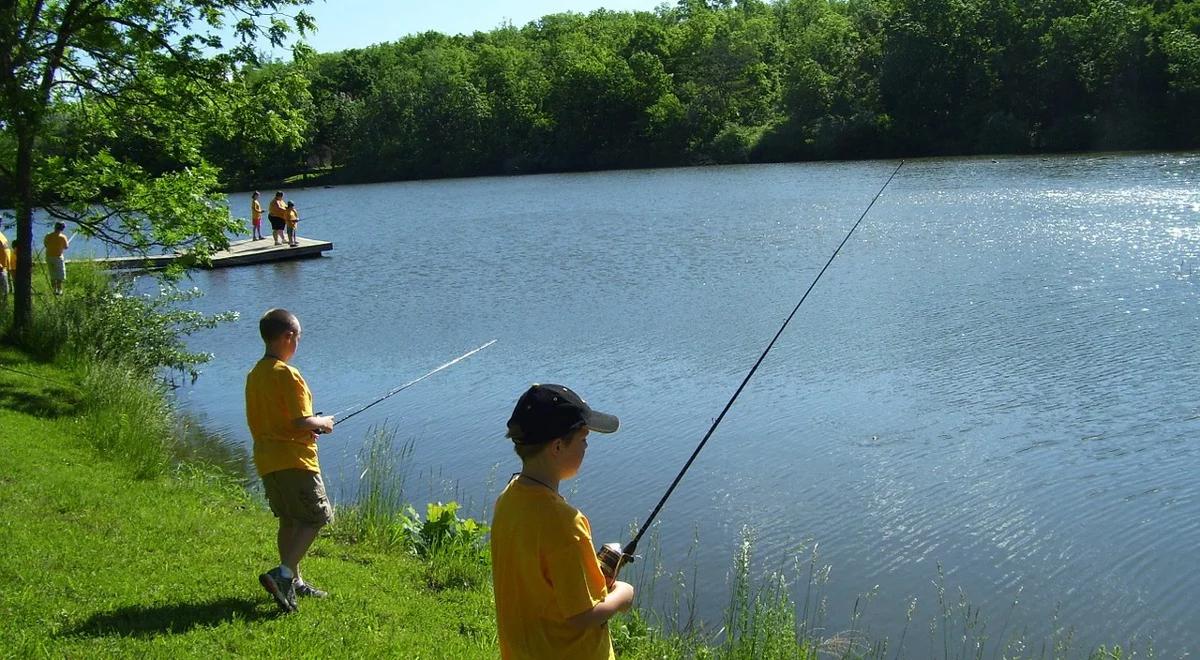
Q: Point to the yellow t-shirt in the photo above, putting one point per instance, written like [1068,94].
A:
[292,217]
[7,260]
[276,396]
[278,209]
[55,244]
[255,210]
[544,570]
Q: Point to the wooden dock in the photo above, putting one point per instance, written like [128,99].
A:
[240,253]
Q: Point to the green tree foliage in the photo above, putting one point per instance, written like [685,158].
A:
[108,109]
[703,81]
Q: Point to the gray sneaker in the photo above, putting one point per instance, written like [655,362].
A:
[306,590]
[282,589]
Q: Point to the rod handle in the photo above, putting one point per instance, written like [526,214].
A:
[318,431]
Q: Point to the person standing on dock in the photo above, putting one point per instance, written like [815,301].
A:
[56,244]
[285,431]
[277,214]
[293,219]
[256,216]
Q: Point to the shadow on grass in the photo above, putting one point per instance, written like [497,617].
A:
[141,621]
[40,401]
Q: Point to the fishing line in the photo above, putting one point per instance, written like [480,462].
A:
[612,555]
[396,390]
[26,373]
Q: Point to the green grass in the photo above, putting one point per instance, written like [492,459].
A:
[311,177]
[97,563]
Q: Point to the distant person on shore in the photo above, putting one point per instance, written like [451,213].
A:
[10,266]
[551,596]
[279,414]
[56,243]
[5,257]
[277,213]
[256,217]
[293,219]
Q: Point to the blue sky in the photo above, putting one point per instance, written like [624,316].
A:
[343,24]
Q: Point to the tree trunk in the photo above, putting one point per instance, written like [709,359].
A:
[23,309]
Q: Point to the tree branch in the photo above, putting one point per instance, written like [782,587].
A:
[56,53]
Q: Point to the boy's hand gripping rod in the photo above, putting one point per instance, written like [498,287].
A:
[612,556]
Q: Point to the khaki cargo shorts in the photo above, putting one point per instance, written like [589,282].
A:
[298,496]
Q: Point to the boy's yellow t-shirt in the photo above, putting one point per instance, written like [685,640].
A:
[55,244]
[255,210]
[293,217]
[544,570]
[276,396]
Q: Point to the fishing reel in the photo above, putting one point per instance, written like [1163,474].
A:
[612,559]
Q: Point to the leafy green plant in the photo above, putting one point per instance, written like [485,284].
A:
[442,528]
[455,549]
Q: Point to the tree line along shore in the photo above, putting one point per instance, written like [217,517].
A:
[693,82]
[718,81]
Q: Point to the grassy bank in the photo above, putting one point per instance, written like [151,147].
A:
[99,562]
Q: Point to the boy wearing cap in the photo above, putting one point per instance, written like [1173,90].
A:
[279,414]
[551,598]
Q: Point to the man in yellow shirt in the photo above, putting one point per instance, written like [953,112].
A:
[279,414]
[551,597]
[277,213]
[56,243]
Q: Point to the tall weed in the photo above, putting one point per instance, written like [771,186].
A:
[454,549]
[374,516]
[127,416]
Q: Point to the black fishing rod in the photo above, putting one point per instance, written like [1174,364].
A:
[396,390]
[612,556]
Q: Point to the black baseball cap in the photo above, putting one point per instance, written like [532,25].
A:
[545,412]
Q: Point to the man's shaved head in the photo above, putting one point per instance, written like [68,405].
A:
[276,323]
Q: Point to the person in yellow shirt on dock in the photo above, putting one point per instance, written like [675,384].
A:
[256,217]
[293,219]
[551,596]
[277,214]
[285,430]
[56,243]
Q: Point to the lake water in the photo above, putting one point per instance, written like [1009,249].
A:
[999,374]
